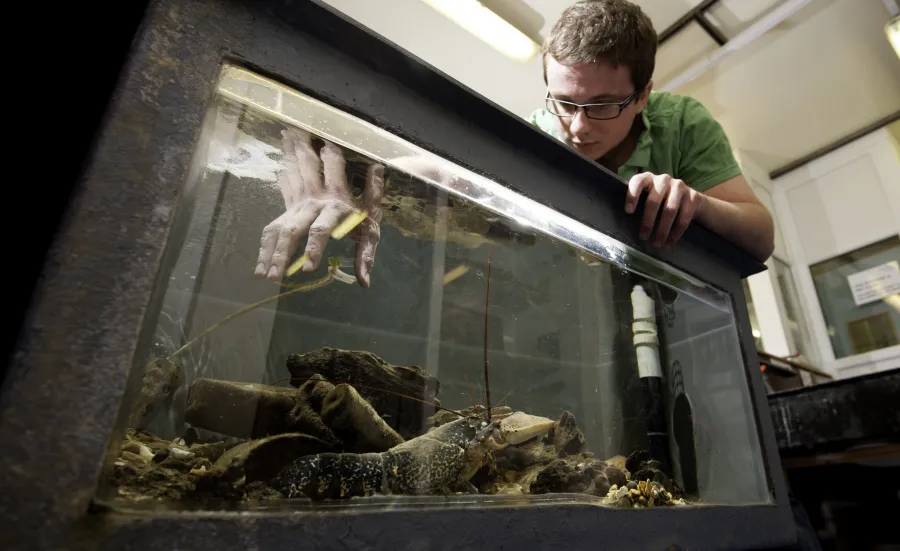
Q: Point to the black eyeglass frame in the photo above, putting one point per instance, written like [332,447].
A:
[548,100]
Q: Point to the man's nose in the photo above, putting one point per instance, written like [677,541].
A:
[580,122]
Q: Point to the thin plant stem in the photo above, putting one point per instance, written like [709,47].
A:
[298,288]
[487,297]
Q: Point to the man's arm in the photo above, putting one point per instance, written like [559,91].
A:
[729,209]
[732,210]
[708,186]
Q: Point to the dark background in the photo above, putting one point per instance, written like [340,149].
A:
[71,57]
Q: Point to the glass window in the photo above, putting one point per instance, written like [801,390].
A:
[790,300]
[754,323]
[363,383]
[859,293]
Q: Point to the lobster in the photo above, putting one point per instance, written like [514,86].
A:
[442,460]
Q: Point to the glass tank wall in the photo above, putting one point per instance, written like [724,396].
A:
[356,364]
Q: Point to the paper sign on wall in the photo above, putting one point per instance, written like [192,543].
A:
[875,283]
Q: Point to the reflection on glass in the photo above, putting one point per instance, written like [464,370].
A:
[754,323]
[315,387]
[791,300]
[858,297]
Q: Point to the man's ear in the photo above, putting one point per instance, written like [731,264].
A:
[544,67]
[644,96]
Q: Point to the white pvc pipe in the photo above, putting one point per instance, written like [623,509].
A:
[644,330]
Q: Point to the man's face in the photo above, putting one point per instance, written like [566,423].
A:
[597,82]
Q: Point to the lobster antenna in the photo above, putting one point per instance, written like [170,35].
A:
[487,297]
[471,394]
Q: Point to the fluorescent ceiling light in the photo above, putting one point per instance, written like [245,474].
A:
[893,33]
[488,26]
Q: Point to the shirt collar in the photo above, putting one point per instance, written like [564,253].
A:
[640,157]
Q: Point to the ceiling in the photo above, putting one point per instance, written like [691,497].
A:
[823,73]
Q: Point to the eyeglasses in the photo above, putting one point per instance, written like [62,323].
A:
[596,111]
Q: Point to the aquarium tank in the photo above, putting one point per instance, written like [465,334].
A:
[429,335]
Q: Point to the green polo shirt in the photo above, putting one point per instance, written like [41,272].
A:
[680,138]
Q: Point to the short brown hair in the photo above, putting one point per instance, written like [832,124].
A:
[614,30]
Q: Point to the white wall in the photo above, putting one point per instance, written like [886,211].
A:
[840,202]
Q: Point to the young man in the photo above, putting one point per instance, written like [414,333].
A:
[598,64]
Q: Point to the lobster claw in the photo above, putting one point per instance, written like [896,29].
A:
[515,429]
[520,427]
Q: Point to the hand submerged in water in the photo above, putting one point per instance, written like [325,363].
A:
[315,206]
